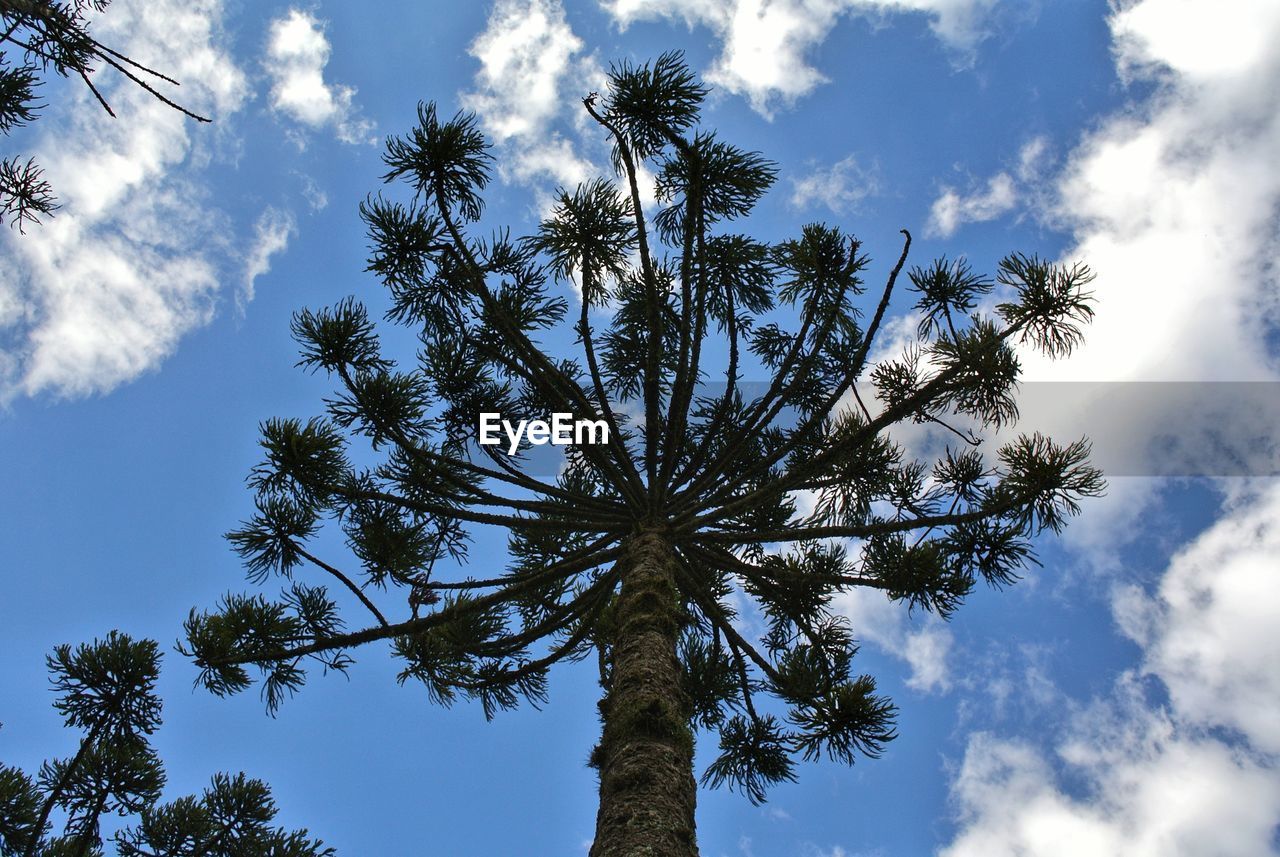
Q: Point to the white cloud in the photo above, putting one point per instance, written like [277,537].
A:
[1210,633]
[531,75]
[1196,41]
[764,43]
[952,209]
[317,199]
[811,850]
[1195,778]
[271,234]
[297,53]
[1173,202]
[1031,158]
[926,652]
[924,643]
[524,52]
[1152,793]
[104,290]
[1003,192]
[553,157]
[840,187]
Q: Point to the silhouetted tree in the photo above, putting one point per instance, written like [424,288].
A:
[639,548]
[107,689]
[54,36]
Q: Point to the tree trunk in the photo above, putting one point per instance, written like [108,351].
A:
[645,757]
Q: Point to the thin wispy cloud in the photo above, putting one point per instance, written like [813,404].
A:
[271,234]
[1004,192]
[952,209]
[840,187]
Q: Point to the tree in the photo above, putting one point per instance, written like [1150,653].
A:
[55,36]
[107,689]
[633,550]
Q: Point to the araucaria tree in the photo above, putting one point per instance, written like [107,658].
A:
[639,549]
[107,689]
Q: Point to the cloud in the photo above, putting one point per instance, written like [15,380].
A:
[317,199]
[1196,42]
[1153,794]
[808,849]
[951,209]
[271,234]
[926,652]
[297,53]
[1172,202]
[1107,524]
[1194,777]
[1209,632]
[764,43]
[840,187]
[105,289]
[924,644]
[1031,158]
[527,53]
[921,640]
[553,157]
[811,850]
[1002,193]
[525,50]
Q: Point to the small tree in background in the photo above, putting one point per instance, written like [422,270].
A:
[107,689]
[51,35]
[634,551]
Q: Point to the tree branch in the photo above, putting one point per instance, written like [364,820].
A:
[417,626]
[654,357]
[346,581]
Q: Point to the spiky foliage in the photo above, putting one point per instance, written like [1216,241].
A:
[713,470]
[52,36]
[107,690]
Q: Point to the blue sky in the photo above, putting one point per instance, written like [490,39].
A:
[1119,701]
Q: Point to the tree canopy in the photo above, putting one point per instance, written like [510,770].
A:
[707,495]
[107,689]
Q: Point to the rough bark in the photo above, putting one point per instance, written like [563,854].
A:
[645,757]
